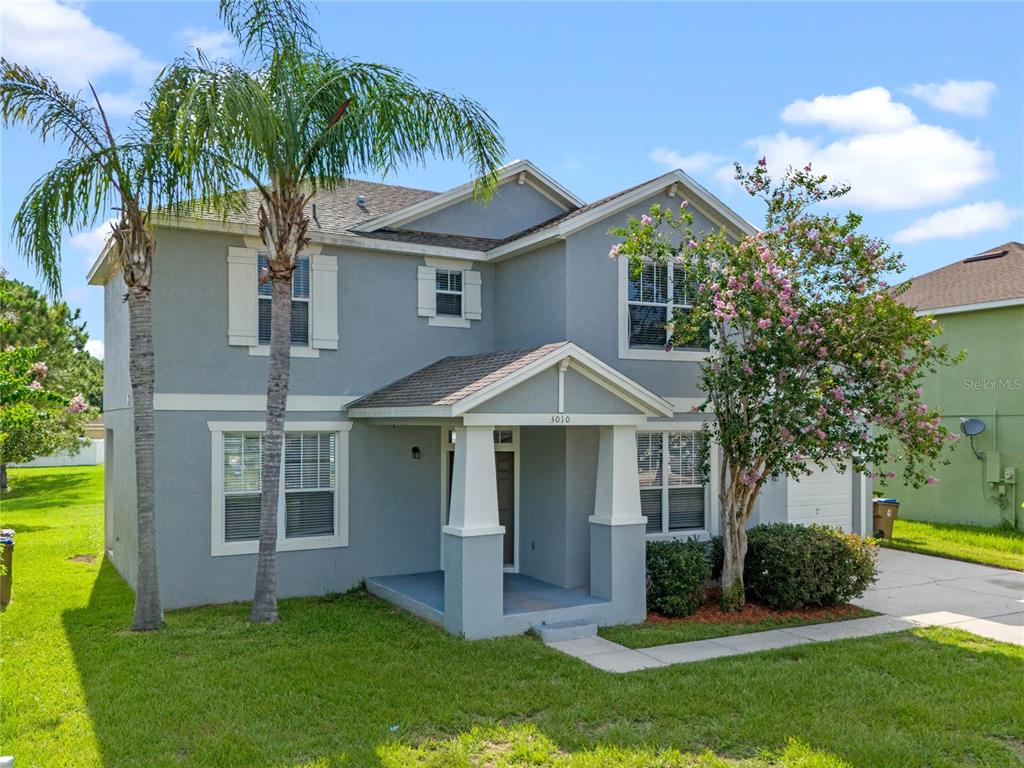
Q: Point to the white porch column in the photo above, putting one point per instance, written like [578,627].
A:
[474,573]
[617,500]
[618,559]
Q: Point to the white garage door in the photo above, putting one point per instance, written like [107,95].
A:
[826,498]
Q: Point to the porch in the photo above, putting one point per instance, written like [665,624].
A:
[526,601]
[580,555]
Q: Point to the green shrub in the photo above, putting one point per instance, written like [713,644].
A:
[792,566]
[676,574]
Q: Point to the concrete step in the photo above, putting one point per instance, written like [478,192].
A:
[565,630]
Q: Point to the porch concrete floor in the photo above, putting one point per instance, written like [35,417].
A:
[522,594]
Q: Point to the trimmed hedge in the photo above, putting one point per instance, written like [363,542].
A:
[793,566]
[677,572]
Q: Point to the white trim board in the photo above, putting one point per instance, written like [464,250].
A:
[168,401]
[972,307]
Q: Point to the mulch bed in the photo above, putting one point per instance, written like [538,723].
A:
[753,613]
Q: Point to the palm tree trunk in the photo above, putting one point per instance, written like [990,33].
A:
[264,604]
[3,478]
[148,611]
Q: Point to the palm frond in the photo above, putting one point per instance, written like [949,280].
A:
[75,194]
[266,26]
[33,100]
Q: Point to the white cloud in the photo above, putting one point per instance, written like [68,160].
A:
[215,45]
[92,241]
[958,222]
[95,348]
[871,109]
[964,97]
[61,41]
[914,167]
[698,161]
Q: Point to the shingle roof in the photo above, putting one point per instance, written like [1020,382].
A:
[452,379]
[993,275]
[435,238]
[338,210]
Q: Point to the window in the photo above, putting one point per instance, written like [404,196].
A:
[300,303]
[671,487]
[449,292]
[310,480]
[654,297]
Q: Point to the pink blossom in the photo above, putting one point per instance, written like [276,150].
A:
[692,244]
[77,404]
[39,369]
[34,384]
[932,480]
[764,322]
[646,220]
[890,474]
[819,433]
[614,252]
[684,204]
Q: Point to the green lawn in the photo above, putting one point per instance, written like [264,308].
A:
[661,633]
[350,681]
[1000,547]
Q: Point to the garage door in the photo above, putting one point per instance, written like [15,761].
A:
[826,498]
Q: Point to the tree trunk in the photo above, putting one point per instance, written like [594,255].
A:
[3,478]
[734,539]
[264,604]
[148,611]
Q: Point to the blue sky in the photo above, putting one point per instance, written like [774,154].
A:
[920,106]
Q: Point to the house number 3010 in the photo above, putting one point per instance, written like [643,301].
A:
[559,418]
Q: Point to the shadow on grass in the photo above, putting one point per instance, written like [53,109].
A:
[351,681]
[38,489]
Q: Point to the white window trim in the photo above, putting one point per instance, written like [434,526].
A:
[219,547]
[712,515]
[628,353]
[263,350]
[448,321]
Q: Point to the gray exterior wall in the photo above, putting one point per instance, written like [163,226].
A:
[513,208]
[393,527]
[531,295]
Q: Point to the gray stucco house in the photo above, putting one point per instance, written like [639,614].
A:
[484,424]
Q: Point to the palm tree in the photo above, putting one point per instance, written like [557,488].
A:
[301,121]
[129,173]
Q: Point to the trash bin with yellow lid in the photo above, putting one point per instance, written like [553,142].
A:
[883,512]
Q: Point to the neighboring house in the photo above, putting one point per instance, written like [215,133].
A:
[979,302]
[484,423]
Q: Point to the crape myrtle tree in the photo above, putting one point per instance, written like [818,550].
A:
[290,123]
[35,419]
[130,172]
[812,360]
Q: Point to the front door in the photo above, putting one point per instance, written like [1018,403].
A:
[504,466]
[504,469]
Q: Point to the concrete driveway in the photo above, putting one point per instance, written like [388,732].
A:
[934,591]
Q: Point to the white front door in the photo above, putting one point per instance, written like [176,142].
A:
[825,498]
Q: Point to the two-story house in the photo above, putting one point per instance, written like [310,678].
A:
[484,425]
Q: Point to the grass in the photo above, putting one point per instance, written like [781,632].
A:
[346,680]
[1001,547]
[682,631]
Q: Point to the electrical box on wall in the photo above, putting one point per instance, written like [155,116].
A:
[993,467]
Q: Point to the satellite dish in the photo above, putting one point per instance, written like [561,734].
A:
[972,427]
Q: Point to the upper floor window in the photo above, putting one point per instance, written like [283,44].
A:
[449,292]
[672,496]
[300,303]
[654,297]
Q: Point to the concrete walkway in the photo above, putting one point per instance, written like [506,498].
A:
[912,590]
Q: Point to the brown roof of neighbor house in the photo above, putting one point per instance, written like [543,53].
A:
[452,379]
[993,275]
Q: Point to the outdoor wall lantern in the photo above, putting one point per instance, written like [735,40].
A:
[972,427]
[416,452]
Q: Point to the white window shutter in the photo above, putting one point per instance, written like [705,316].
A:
[471,307]
[242,286]
[324,300]
[426,280]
